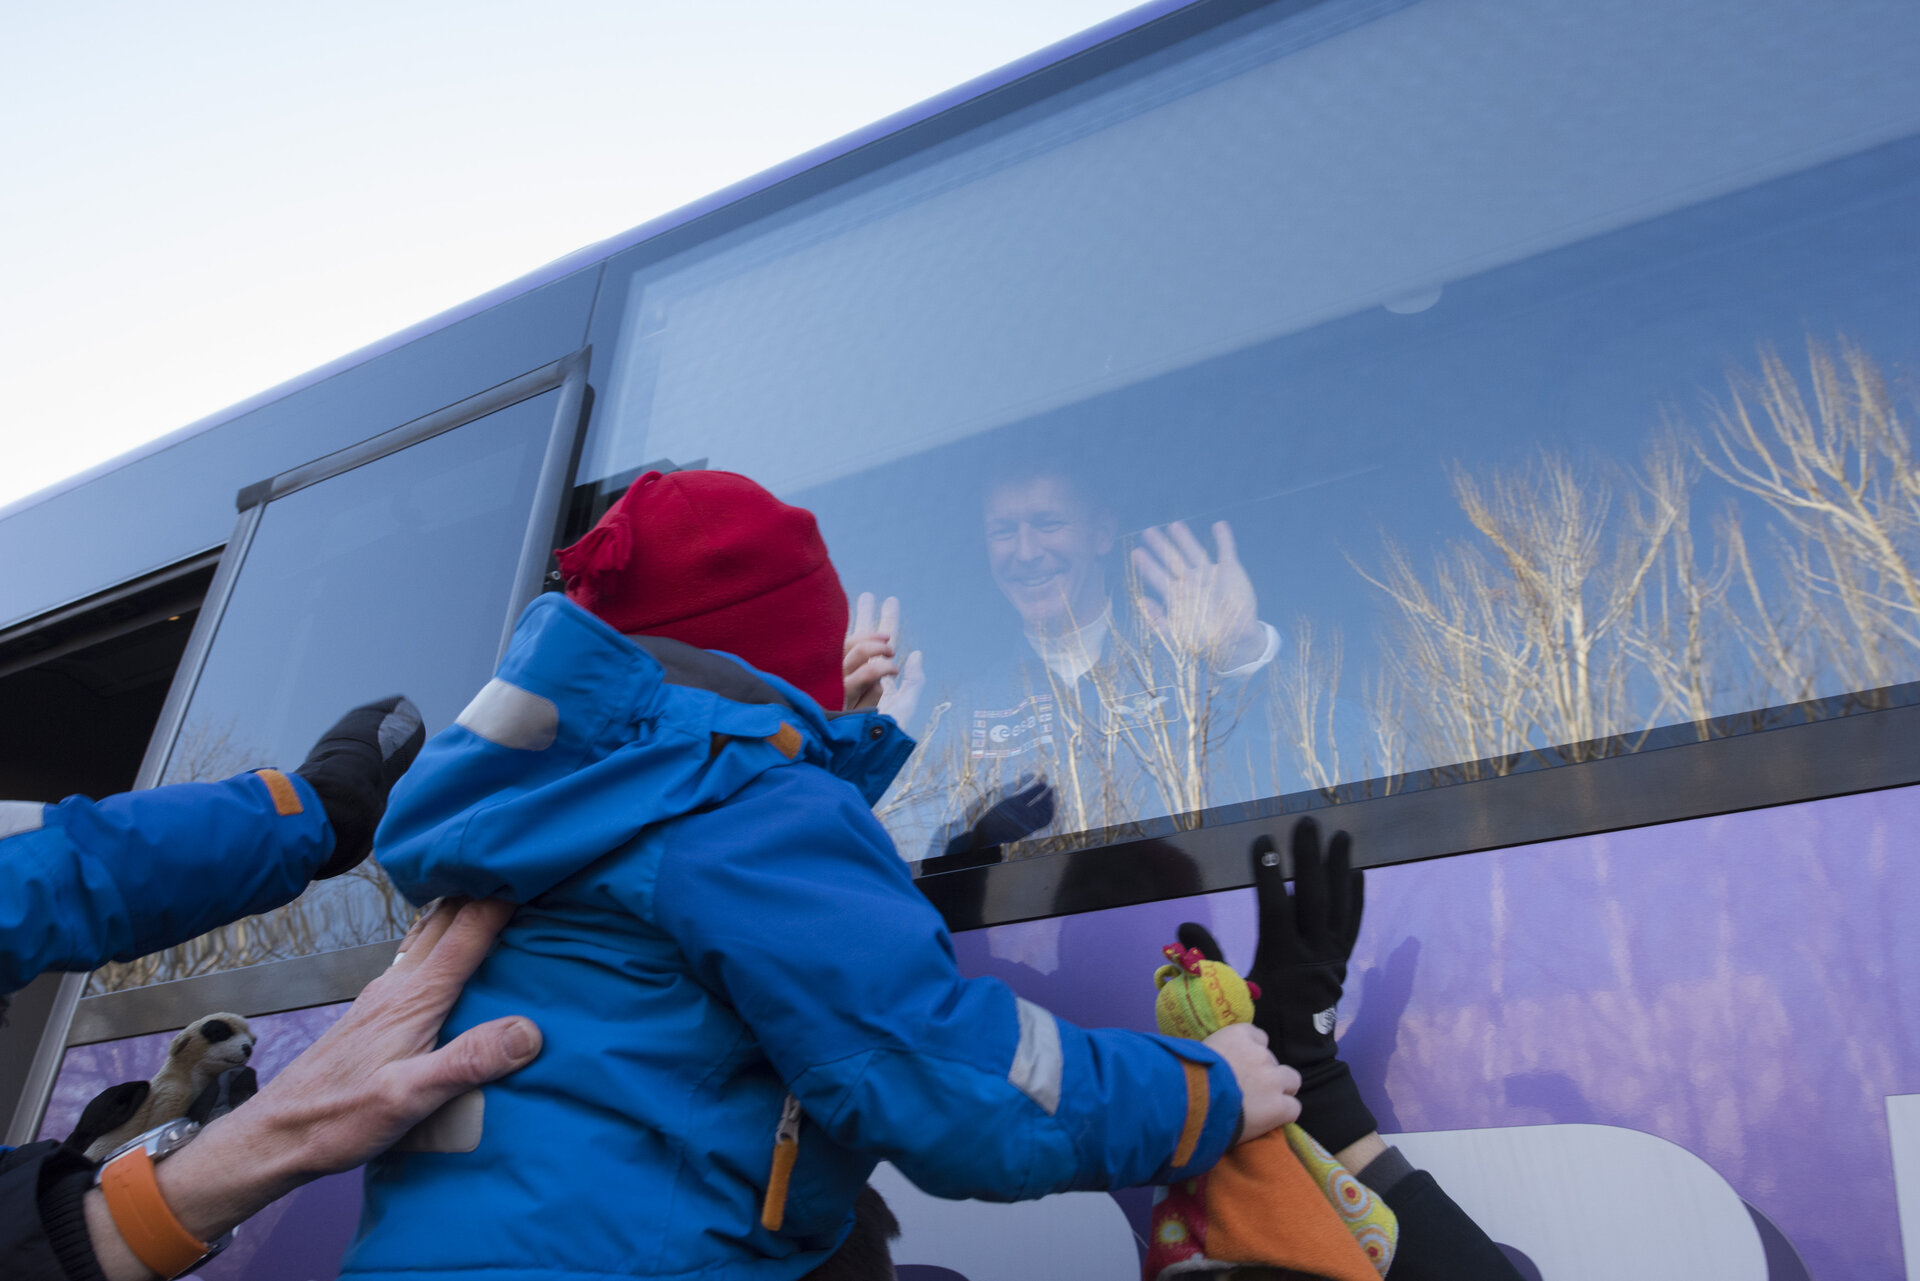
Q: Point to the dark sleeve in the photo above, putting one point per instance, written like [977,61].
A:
[1438,1242]
[43,1228]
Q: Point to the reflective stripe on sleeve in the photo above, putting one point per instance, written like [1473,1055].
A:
[17,817]
[1037,1060]
[512,717]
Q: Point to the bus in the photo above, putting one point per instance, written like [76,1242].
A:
[1487,428]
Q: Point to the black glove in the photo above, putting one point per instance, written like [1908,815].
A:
[223,1094]
[353,767]
[1300,965]
[1021,812]
[1196,937]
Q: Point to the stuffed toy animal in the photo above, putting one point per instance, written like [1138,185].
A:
[188,1084]
[1278,1201]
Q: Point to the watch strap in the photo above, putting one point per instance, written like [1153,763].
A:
[147,1225]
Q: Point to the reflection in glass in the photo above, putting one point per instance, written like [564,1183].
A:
[391,578]
[1378,391]
[300,1237]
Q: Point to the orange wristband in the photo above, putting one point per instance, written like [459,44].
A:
[146,1224]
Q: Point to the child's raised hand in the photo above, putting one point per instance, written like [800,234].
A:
[872,676]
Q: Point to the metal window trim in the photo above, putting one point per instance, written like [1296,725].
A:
[326,978]
[479,405]
[172,606]
[100,600]
[569,374]
[186,677]
[554,489]
[1818,760]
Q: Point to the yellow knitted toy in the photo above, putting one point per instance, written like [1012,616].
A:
[1231,1215]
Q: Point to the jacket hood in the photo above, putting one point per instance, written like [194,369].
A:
[584,737]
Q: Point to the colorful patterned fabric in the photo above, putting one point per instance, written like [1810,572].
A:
[1280,1200]
[1367,1217]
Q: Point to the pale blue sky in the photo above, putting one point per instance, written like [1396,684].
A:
[203,199]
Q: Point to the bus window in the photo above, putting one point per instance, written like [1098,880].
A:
[392,577]
[1362,392]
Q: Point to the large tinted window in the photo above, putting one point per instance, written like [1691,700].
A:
[391,578]
[1345,394]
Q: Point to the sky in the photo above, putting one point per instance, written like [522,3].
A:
[200,200]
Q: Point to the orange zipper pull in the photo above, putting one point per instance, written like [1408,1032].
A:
[786,1150]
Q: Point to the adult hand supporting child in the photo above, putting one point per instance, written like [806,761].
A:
[1267,1086]
[368,1079]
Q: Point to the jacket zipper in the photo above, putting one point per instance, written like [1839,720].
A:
[786,1150]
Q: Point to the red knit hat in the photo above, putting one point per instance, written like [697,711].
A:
[714,560]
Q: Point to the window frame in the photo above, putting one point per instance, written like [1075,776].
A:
[1407,820]
[328,977]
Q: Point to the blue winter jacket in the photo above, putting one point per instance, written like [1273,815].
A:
[86,882]
[712,917]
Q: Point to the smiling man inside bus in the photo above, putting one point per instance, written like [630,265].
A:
[1126,700]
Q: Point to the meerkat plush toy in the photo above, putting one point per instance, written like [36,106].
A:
[188,1085]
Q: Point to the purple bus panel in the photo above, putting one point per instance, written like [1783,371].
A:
[1676,1051]
[1740,987]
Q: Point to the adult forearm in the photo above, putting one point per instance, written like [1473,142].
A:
[238,1165]
[1437,1239]
[369,1078]
[1360,1154]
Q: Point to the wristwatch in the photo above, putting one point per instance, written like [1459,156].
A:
[133,1198]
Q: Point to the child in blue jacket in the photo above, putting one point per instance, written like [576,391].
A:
[746,1003]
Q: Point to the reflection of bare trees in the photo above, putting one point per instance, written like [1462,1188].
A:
[1163,709]
[361,906]
[1303,685]
[205,752]
[1583,611]
[1586,606]
[1527,636]
[1140,737]
[1834,466]
[1676,622]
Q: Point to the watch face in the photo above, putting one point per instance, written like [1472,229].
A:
[163,1139]
[157,1142]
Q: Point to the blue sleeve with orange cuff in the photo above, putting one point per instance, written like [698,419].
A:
[85,882]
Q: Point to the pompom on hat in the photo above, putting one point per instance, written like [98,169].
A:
[712,559]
